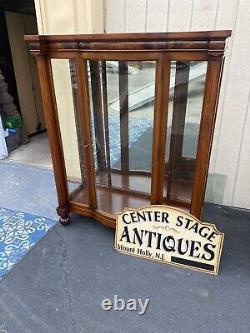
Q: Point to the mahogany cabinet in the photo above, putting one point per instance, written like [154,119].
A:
[144,108]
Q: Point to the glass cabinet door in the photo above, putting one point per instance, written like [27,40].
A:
[121,95]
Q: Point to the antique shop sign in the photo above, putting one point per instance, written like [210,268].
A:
[169,235]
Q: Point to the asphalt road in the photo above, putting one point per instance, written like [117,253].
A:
[60,284]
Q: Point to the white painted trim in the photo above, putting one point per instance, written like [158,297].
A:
[3,147]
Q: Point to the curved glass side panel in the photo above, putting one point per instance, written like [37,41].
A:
[187,84]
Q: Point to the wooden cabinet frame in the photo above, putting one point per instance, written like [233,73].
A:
[159,47]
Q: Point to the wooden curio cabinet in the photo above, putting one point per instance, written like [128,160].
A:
[144,108]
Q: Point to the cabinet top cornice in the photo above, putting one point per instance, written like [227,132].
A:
[176,41]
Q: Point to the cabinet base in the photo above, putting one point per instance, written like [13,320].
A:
[65,221]
[64,215]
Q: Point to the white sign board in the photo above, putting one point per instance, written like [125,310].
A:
[169,235]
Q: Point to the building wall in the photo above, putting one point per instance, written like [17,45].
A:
[69,17]
[229,172]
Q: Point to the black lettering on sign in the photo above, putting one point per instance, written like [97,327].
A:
[169,235]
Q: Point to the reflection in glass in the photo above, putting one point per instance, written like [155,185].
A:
[64,79]
[185,106]
[122,110]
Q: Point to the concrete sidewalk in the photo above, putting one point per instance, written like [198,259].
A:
[59,285]
[27,188]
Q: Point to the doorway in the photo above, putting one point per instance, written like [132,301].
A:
[19,69]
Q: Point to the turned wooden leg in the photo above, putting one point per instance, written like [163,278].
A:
[64,215]
[53,128]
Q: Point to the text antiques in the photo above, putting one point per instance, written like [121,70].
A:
[169,235]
